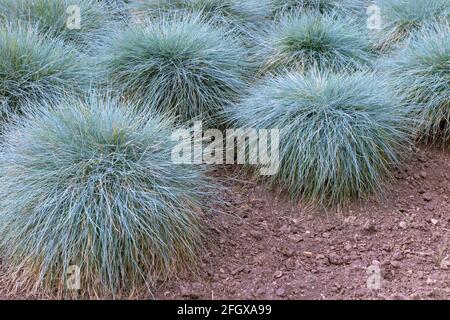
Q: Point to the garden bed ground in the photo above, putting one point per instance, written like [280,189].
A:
[260,247]
[263,248]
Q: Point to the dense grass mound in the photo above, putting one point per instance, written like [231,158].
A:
[92,184]
[342,7]
[181,67]
[236,13]
[119,8]
[421,74]
[34,68]
[52,17]
[327,41]
[340,133]
[400,18]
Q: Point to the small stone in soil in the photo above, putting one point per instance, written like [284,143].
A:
[278,274]
[281,292]
[288,252]
[427,196]
[335,259]
[256,234]
[237,270]
[397,255]
[369,226]
[296,238]
[402,225]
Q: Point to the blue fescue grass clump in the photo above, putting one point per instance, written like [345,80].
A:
[420,73]
[35,68]
[92,184]
[341,134]
[341,7]
[401,18]
[311,39]
[244,15]
[52,16]
[181,67]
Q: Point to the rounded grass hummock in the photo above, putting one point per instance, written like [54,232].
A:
[311,39]
[420,73]
[341,7]
[401,18]
[92,185]
[59,18]
[181,67]
[340,134]
[245,15]
[35,69]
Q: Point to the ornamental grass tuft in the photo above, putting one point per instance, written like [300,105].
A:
[340,7]
[59,18]
[182,67]
[341,134]
[420,73]
[311,39]
[242,16]
[91,185]
[402,18]
[35,68]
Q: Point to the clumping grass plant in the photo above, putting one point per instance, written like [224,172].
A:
[243,15]
[341,7]
[311,39]
[119,8]
[35,68]
[420,73]
[91,184]
[181,67]
[401,18]
[341,134]
[59,18]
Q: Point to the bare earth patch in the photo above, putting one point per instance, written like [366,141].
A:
[264,248]
[261,247]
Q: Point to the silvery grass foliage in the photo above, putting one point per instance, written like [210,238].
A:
[91,184]
[341,7]
[36,68]
[182,67]
[401,18]
[54,17]
[119,8]
[117,5]
[420,73]
[328,41]
[242,15]
[341,133]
